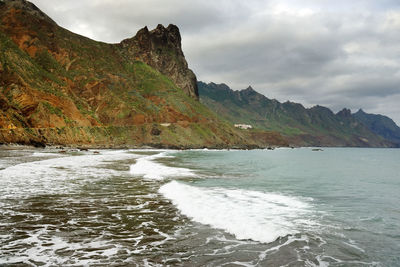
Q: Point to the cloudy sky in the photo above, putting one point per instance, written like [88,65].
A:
[328,52]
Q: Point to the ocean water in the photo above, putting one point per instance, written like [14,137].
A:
[286,207]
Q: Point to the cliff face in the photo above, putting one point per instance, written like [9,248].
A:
[161,49]
[62,88]
[317,126]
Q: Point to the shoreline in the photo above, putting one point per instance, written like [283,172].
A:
[85,147]
[81,147]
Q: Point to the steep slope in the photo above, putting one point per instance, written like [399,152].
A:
[381,125]
[317,126]
[62,88]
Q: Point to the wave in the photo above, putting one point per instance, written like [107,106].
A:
[149,169]
[50,175]
[246,214]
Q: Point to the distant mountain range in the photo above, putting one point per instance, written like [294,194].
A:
[317,126]
[379,124]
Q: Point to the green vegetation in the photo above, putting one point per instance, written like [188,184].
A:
[316,126]
[53,110]
[380,125]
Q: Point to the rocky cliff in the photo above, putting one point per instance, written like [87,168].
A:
[161,49]
[57,87]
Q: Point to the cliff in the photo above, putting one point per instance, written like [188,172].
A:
[316,126]
[161,49]
[57,87]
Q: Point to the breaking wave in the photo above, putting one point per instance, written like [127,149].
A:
[149,169]
[259,216]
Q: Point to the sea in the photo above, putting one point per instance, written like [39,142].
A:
[282,207]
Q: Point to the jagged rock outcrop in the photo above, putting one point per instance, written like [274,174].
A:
[344,113]
[161,49]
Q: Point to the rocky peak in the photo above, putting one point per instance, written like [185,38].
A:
[169,37]
[161,49]
[25,6]
[345,113]
[220,87]
[360,111]
[249,89]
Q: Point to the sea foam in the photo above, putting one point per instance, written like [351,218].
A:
[149,169]
[41,176]
[246,214]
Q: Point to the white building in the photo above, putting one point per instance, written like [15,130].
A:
[243,126]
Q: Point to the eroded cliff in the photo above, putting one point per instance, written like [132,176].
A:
[57,87]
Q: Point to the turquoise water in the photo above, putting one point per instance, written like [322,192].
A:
[286,207]
[354,194]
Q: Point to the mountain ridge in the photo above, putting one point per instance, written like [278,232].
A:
[380,124]
[316,126]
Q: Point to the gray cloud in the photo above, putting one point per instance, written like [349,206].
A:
[334,53]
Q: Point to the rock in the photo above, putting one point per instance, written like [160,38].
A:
[155,131]
[37,144]
[27,7]
[161,49]
[3,102]
[345,113]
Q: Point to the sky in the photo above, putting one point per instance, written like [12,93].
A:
[335,53]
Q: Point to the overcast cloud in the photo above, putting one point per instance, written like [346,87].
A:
[333,53]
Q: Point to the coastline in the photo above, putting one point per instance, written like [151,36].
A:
[16,146]
[191,136]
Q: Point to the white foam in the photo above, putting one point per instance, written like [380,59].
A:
[149,169]
[52,175]
[246,214]
[44,249]
[45,154]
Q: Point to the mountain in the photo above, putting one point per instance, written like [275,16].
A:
[57,87]
[316,126]
[381,125]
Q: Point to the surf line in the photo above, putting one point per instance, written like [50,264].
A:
[150,169]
